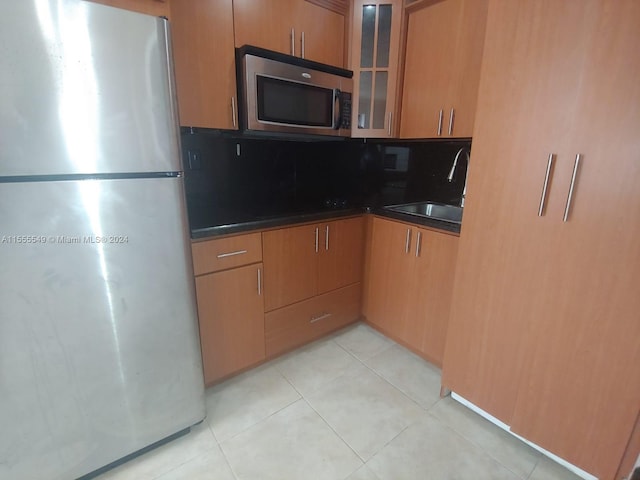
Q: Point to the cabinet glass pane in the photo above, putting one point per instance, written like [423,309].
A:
[364,102]
[384,36]
[368,33]
[380,100]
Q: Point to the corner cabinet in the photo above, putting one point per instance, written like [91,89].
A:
[312,281]
[375,51]
[544,327]
[294,27]
[442,68]
[230,304]
[409,285]
[204,58]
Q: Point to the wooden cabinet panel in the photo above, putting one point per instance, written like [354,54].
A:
[297,324]
[431,292]
[323,34]
[409,285]
[204,58]
[224,253]
[231,316]
[582,392]
[499,269]
[157,8]
[544,327]
[341,254]
[431,42]
[389,266]
[291,265]
[442,68]
[465,76]
[270,24]
[264,23]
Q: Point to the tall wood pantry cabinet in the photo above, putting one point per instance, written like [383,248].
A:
[545,320]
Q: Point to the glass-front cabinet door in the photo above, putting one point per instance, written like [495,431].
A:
[376,45]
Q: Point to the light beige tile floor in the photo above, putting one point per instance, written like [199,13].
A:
[352,406]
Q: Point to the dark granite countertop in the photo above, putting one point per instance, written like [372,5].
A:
[416,220]
[292,219]
[274,221]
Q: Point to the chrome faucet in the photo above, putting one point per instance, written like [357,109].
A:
[453,170]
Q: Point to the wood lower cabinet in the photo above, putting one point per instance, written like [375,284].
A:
[312,280]
[231,316]
[293,27]
[229,277]
[544,326]
[291,265]
[296,324]
[409,285]
[301,262]
[204,58]
[442,68]
[157,8]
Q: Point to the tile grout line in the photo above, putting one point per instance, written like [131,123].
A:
[224,455]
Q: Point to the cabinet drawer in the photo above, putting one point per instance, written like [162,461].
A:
[224,253]
[304,321]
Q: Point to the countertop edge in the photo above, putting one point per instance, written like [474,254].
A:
[247,227]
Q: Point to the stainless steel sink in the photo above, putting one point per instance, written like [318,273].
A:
[438,211]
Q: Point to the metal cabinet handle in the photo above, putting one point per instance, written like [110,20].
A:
[390,119]
[231,254]
[451,115]
[233,111]
[407,244]
[326,238]
[322,316]
[317,239]
[440,123]
[545,185]
[567,208]
[259,282]
[293,42]
[302,44]
[418,243]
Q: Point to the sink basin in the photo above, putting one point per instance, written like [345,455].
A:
[438,211]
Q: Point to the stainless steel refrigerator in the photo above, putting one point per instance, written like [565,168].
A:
[99,349]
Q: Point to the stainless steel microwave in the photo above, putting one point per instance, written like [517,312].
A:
[285,94]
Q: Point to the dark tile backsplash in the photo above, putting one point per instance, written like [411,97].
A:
[271,177]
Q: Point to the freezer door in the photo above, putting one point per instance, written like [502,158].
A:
[99,348]
[85,88]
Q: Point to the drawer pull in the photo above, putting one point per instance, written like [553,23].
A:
[231,254]
[320,317]
[567,208]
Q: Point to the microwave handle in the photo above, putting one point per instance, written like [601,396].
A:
[337,119]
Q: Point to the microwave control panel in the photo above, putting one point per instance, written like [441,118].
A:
[345,121]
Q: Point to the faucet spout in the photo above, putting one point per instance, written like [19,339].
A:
[453,171]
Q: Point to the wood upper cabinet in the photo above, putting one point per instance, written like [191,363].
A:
[157,8]
[409,285]
[293,27]
[442,66]
[544,326]
[301,262]
[375,52]
[204,58]
[230,303]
